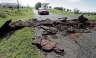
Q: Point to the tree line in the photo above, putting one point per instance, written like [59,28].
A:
[39,5]
[76,11]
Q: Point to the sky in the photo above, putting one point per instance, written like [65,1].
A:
[82,5]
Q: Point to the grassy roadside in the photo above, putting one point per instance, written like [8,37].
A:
[23,15]
[19,44]
[91,17]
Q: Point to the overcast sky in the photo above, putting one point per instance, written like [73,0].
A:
[83,5]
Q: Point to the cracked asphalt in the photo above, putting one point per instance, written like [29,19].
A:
[83,47]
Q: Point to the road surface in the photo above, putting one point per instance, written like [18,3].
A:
[50,16]
[83,47]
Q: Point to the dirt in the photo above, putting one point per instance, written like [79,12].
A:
[9,27]
[74,36]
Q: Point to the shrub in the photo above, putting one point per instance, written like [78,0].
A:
[58,8]
[3,15]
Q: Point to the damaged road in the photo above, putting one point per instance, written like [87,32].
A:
[62,38]
[76,37]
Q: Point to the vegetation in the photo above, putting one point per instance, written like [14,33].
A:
[69,13]
[38,5]
[45,5]
[19,44]
[50,7]
[58,8]
[76,11]
[24,14]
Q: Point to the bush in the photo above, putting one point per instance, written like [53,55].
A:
[3,15]
[9,14]
[58,8]
[38,5]
[12,9]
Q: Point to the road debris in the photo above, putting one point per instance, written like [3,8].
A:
[48,45]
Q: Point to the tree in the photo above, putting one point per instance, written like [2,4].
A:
[64,9]
[76,11]
[49,6]
[38,5]
[94,13]
[58,8]
[68,10]
[45,5]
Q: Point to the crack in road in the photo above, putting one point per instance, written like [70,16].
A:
[81,46]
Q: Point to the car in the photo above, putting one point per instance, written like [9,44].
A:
[43,11]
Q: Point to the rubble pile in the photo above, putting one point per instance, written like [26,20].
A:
[80,25]
[47,45]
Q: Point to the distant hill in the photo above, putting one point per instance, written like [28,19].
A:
[9,4]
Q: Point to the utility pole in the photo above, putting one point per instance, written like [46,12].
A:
[27,6]
[18,5]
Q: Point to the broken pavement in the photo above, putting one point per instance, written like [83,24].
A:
[77,36]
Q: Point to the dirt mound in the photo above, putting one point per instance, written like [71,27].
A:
[8,27]
[82,19]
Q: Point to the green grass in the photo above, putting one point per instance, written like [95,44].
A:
[21,15]
[19,44]
[7,12]
[91,17]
